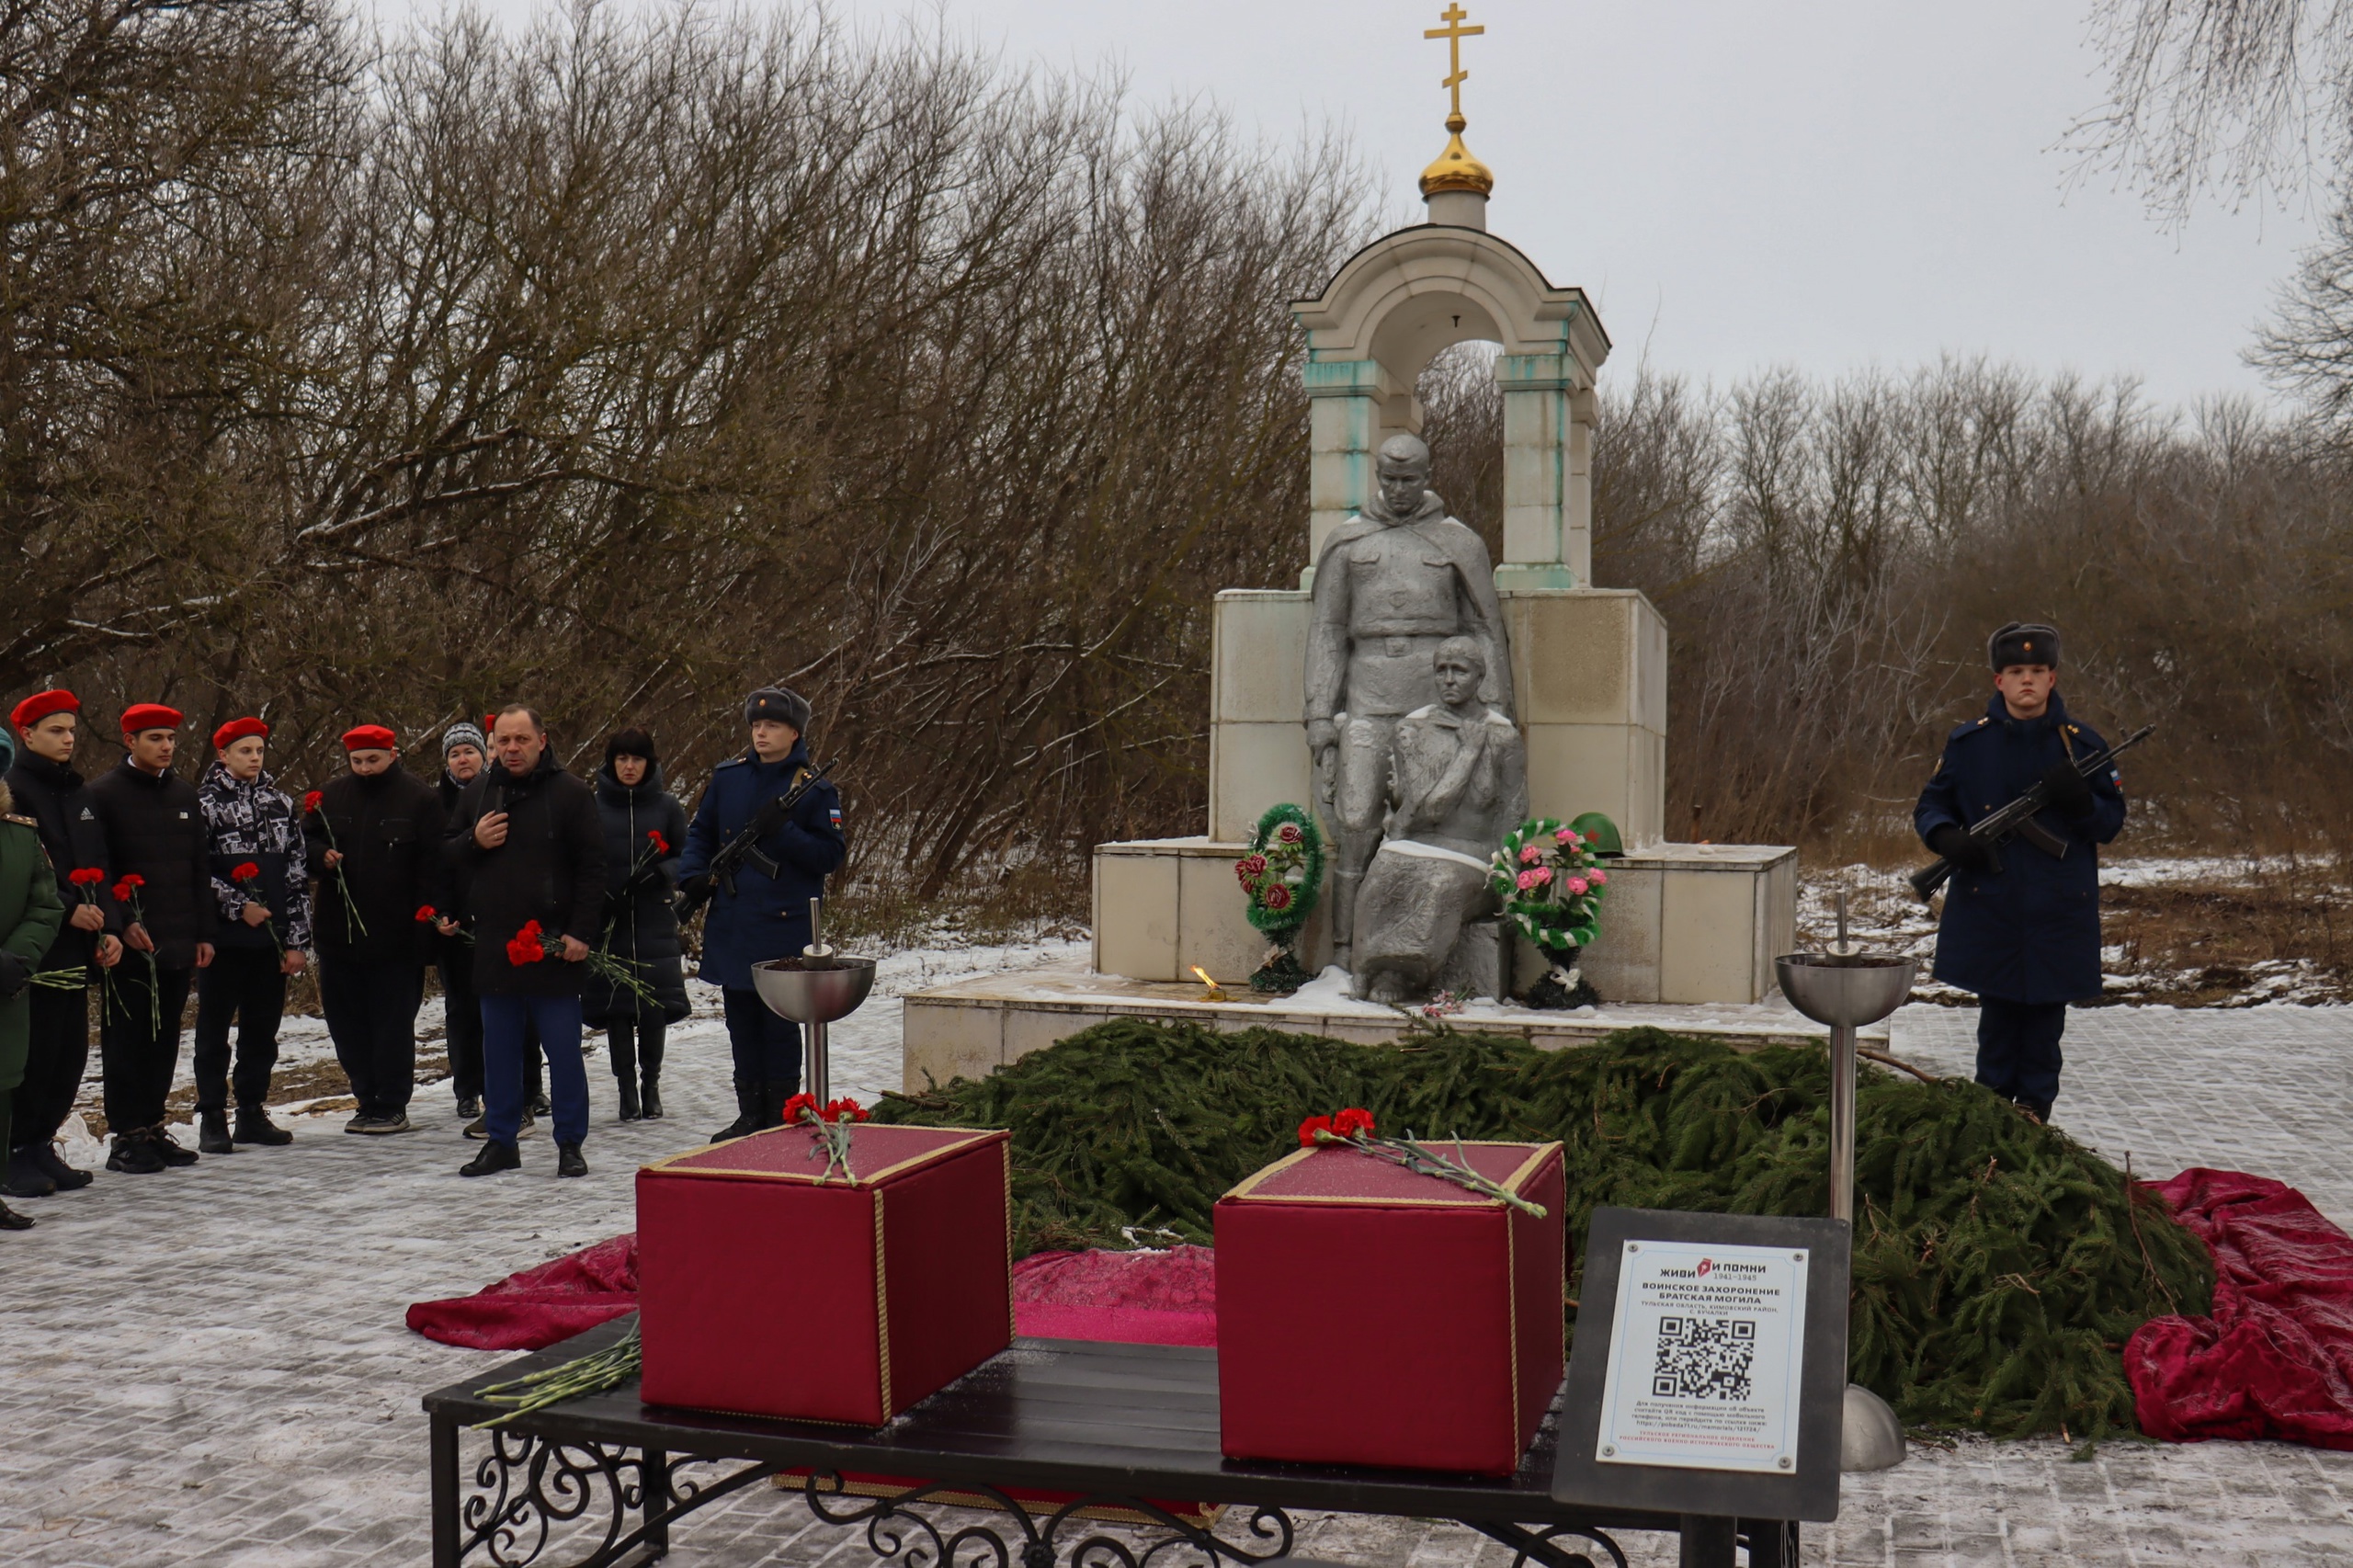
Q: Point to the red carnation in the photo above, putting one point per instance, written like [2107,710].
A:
[525,947]
[661,845]
[800,1107]
[845,1109]
[131,880]
[1349,1122]
[1314,1131]
[311,801]
[85,875]
[1277,896]
[425,912]
[246,872]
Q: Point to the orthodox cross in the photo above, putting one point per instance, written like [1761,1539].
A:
[1454,32]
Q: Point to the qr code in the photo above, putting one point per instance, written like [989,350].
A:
[1704,1358]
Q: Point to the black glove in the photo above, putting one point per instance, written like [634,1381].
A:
[1952,841]
[2070,791]
[14,973]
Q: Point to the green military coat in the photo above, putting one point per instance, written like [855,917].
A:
[30,912]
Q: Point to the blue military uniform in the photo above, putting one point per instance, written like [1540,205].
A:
[2025,939]
[765,917]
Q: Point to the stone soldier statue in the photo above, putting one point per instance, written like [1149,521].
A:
[1393,582]
[1459,785]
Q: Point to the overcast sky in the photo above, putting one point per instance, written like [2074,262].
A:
[1738,183]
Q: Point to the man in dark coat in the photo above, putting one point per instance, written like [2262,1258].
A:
[2020,927]
[465,752]
[30,916]
[156,853]
[376,846]
[262,895]
[49,790]
[528,849]
[765,917]
[645,832]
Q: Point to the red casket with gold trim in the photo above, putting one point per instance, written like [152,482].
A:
[1372,1315]
[767,1288]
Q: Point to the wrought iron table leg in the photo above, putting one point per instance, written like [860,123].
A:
[1707,1541]
[656,1477]
[444,1464]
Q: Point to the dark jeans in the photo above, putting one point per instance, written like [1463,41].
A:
[371,1017]
[507,1023]
[636,1045]
[139,1040]
[462,1021]
[767,1047]
[53,1066]
[243,984]
[2018,1050]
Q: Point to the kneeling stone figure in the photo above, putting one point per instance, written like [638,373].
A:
[1458,785]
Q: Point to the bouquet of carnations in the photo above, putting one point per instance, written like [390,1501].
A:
[534,943]
[832,1122]
[1354,1128]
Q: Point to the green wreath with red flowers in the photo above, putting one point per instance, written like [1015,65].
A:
[1551,882]
[1283,873]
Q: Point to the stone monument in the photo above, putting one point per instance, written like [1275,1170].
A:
[1579,671]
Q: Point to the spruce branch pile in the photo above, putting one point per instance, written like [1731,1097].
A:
[1999,1266]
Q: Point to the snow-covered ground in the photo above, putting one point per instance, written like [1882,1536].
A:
[209,1366]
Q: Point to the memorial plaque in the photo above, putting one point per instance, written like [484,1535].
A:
[1709,1371]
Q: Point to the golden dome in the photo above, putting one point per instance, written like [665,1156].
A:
[1456,169]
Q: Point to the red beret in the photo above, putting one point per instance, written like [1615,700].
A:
[237,729]
[369,737]
[149,716]
[41,705]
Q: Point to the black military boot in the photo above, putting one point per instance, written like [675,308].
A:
[212,1132]
[492,1158]
[167,1148]
[254,1126]
[569,1160]
[134,1153]
[625,1078]
[772,1098]
[26,1178]
[68,1179]
[747,1112]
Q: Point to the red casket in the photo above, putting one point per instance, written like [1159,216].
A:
[1369,1315]
[765,1290]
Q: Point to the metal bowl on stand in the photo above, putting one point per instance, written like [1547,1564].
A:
[814,990]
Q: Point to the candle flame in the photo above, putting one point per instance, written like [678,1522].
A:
[1212,990]
[1204,975]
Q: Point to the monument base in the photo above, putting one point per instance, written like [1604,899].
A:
[1683,923]
[972,1029]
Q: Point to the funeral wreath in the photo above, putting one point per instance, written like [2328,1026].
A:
[1282,876]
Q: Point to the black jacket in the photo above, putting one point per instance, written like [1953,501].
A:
[388,826]
[155,829]
[53,795]
[550,870]
[640,874]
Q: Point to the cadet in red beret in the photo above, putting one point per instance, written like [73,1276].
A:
[48,789]
[158,855]
[375,835]
[236,730]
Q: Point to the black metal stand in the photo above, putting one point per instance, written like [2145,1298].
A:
[599,1483]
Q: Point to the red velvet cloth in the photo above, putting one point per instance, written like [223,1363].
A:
[2275,1359]
[1368,1315]
[538,1307]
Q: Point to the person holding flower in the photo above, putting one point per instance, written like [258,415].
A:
[528,850]
[645,829]
[30,916]
[48,789]
[375,846]
[264,898]
[157,854]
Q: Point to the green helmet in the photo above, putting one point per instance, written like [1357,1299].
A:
[1600,832]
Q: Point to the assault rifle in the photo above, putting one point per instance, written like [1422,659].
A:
[745,845]
[2017,819]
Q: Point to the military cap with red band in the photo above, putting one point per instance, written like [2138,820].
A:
[237,729]
[141,716]
[41,705]
[369,737]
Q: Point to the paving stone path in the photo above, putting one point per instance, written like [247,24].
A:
[209,1366]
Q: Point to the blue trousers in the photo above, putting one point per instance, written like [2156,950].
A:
[767,1046]
[2018,1050]
[507,1023]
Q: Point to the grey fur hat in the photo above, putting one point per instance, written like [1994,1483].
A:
[774,702]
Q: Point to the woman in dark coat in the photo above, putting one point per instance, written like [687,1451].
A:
[645,829]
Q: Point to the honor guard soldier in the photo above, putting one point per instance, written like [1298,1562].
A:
[2021,924]
[757,913]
